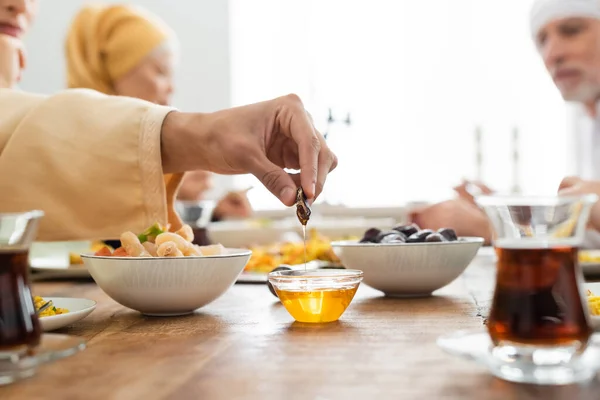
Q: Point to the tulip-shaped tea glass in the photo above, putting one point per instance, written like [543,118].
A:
[539,323]
[22,345]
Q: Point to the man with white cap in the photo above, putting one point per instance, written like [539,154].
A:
[567,36]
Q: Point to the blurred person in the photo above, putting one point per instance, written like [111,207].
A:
[127,51]
[12,52]
[567,36]
[124,172]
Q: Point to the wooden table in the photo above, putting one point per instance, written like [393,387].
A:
[246,346]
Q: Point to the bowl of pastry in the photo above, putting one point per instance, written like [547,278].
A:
[162,273]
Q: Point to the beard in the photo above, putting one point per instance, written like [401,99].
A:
[585,92]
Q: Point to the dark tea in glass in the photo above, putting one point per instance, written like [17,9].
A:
[537,299]
[539,324]
[19,324]
[23,348]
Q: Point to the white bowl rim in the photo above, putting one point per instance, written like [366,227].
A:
[356,243]
[236,253]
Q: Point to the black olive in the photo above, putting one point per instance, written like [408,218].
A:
[419,237]
[395,237]
[448,233]
[370,235]
[383,234]
[407,230]
[271,288]
[435,237]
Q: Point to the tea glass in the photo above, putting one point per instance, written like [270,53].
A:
[22,346]
[539,322]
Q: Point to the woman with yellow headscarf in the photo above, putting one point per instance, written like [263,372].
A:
[127,51]
[121,50]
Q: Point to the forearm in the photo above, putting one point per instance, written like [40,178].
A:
[185,138]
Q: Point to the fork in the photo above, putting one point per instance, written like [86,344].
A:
[46,305]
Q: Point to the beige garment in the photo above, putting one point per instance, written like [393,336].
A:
[91,162]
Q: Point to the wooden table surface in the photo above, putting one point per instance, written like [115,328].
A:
[246,346]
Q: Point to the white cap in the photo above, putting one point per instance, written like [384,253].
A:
[545,11]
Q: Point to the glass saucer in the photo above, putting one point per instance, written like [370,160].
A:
[477,346]
[52,347]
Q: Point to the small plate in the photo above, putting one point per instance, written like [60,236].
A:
[51,260]
[594,288]
[476,346]
[78,310]
[590,268]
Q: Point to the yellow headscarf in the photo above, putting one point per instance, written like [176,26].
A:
[107,41]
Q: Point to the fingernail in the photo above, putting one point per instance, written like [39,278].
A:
[286,193]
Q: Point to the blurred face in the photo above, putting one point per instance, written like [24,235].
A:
[570,48]
[151,79]
[16,16]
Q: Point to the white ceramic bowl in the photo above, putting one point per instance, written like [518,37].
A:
[167,286]
[408,269]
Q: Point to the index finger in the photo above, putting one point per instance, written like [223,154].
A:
[303,133]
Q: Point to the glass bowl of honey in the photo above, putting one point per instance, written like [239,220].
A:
[316,295]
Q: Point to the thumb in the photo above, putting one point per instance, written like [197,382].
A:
[279,182]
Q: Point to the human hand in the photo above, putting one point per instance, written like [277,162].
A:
[574,186]
[234,205]
[194,185]
[261,139]
[458,214]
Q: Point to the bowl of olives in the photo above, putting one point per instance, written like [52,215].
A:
[407,261]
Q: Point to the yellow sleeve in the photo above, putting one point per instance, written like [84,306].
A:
[91,162]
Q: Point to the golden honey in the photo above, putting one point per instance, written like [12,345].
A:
[317,306]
